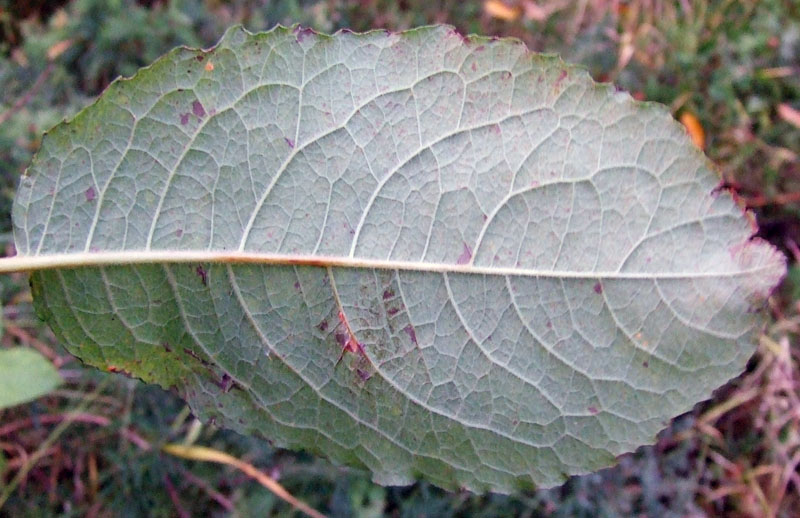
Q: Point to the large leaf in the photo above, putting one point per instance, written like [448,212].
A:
[529,272]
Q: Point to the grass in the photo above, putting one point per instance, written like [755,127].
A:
[732,65]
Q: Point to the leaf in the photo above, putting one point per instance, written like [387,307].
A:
[501,10]
[694,129]
[24,376]
[524,273]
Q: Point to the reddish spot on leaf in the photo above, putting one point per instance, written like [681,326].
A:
[184,119]
[480,48]
[297,285]
[166,347]
[364,375]
[200,57]
[202,273]
[466,255]
[90,194]
[593,410]
[323,326]
[474,67]
[392,311]
[197,109]
[561,77]
[387,294]
[341,338]
[409,329]
[179,232]
[598,288]
[289,141]
[549,325]
[303,33]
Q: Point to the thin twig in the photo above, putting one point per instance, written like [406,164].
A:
[32,91]
[215,495]
[212,455]
[176,501]
[79,417]
[26,338]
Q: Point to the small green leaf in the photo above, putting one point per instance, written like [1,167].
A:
[24,376]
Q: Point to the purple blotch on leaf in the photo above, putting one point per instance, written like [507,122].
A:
[466,255]
[226,383]
[289,141]
[184,119]
[197,109]
[90,194]
[598,288]
[302,32]
[203,274]
[409,329]
[561,77]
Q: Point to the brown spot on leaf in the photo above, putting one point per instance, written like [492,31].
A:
[195,356]
[646,364]
[226,383]
[202,273]
[323,326]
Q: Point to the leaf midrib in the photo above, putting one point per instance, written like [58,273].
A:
[138,257]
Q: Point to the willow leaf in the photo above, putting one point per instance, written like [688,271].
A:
[417,253]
